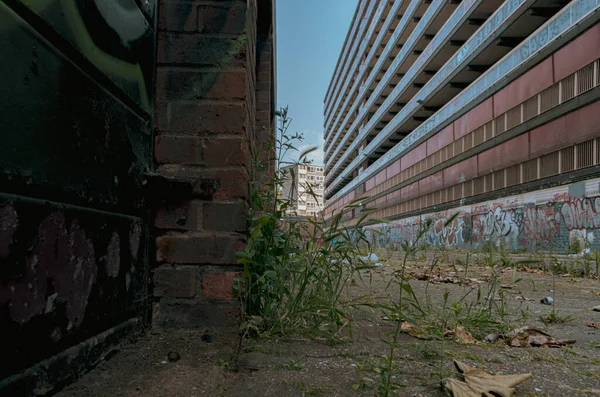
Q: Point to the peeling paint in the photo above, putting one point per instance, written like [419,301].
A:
[113,256]
[9,222]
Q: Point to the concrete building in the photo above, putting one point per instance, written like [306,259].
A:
[487,108]
[296,188]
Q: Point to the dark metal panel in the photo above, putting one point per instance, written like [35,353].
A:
[64,137]
[66,275]
[115,37]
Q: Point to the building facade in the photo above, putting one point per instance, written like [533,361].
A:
[488,109]
[306,201]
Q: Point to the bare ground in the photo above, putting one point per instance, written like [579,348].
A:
[303,367]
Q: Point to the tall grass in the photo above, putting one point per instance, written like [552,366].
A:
[296,269]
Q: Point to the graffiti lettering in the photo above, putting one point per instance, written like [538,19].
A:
[581,214]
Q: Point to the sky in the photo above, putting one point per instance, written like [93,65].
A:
[310,35]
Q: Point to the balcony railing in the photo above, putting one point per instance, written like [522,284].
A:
[570,16]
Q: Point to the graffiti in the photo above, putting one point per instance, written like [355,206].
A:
[512,222]
[452,234]
[561,197]
[498,225]
[581,213]
[539,223]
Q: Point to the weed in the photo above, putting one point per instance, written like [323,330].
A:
[556,318]
[293,366]
[295,269]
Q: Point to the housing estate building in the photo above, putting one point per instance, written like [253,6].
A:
[488,109]
[306,201]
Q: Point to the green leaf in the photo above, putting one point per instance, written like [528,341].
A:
[407,288]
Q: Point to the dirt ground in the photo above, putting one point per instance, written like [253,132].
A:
[302,367]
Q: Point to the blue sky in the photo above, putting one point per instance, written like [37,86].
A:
[310,35]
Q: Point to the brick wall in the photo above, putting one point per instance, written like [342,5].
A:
[208,103]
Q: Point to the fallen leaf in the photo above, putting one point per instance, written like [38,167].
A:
[531,336]
[593,325]
[407,327]
[478,383]
[463,336]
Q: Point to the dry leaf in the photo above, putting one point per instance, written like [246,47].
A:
[478,383]
[463,336]
[531,336]
[407,327]
[593,325]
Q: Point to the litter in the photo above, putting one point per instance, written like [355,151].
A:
[478,383]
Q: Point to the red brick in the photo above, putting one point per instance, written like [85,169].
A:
[224,19]
[201,117]
[193,150]
[175,282]
[211,183]
[178,83]
[178,16]
[263,116]
[191,314]
[224,151]
[263,85]
[263,97]
[198,249]
[179,216]
[199,49]
[225,217]
[178,150]
[218,285]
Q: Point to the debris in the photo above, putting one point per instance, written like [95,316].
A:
[534,337]
[547,300]
[506,286]
[208,338]
[596,308]
[593,325]
[407,327]
[463,336]
[598,293]
[173,356]
[370,257]
[493,337]
[478,383]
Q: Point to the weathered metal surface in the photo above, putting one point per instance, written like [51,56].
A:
[76,143]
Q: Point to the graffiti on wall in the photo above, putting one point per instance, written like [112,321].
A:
[509,222]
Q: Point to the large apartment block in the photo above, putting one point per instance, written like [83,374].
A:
[303,186]
[485,108]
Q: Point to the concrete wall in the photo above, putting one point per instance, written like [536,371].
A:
[547,219]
